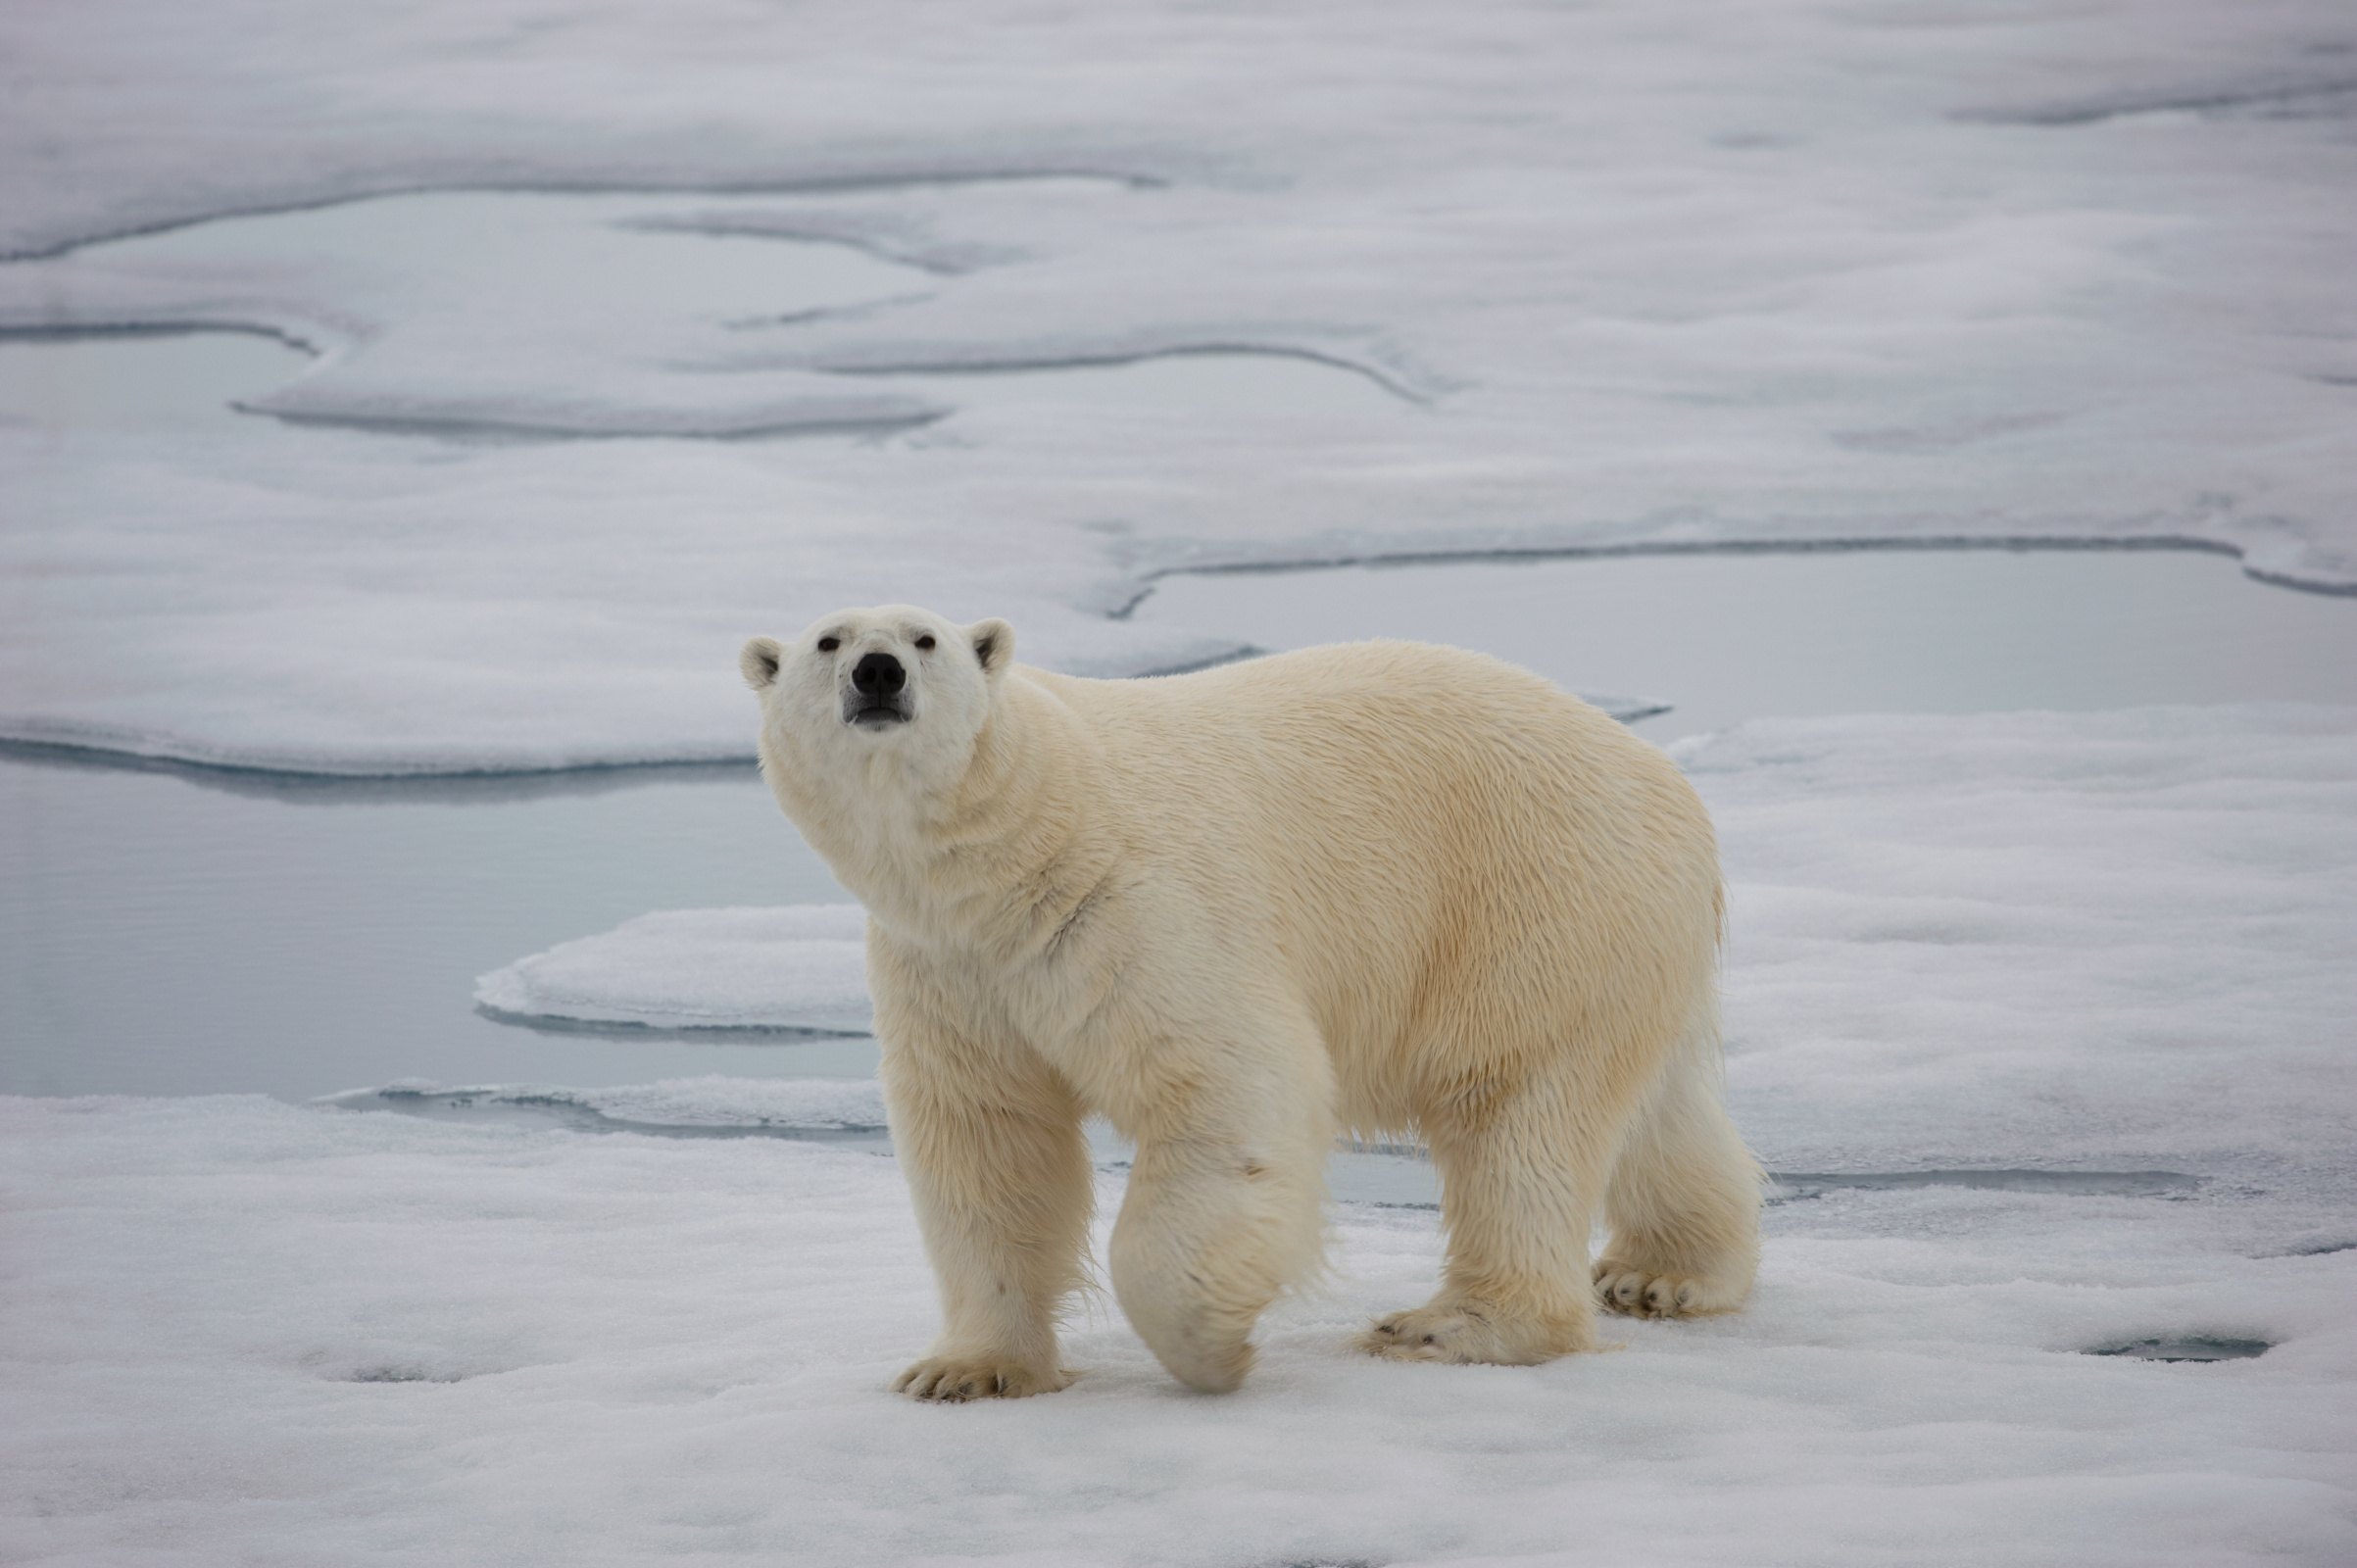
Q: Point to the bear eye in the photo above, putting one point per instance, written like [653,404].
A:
[925,643]
[827,645]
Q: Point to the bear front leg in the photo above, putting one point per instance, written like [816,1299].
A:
[1225,1210]
[999,1175]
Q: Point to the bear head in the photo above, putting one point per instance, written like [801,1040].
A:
[889,678]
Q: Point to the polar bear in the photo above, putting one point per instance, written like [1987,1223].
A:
[1382,888]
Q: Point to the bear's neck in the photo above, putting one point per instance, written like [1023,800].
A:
[997,859]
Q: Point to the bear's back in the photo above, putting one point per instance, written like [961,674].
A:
[1365,722]
[1420,827]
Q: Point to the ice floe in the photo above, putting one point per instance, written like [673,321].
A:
[1619,278]
[2111,941]
[798,968]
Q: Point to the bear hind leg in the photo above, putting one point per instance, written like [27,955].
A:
[1684,1201]
[1518,1193]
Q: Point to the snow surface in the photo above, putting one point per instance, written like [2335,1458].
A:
[242,1331]
[2120,941]
[1636,275]
[633,330]
[239,1330]
[802,966]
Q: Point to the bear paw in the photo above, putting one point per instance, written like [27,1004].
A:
[1467,1333]
[952,1380]
[1638,1292]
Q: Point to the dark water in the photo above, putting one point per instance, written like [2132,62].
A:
[182,932]
[1723,638]
[122,380]
[2190,1348]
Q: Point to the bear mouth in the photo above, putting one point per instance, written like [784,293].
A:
[873,716]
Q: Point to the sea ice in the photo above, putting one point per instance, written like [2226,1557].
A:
[798,968]
[1628,276]
[2111,944]
[1634,277]
[239,1329]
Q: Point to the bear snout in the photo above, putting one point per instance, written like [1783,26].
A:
[878,676]
[878,696]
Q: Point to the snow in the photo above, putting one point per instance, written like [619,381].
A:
[2117,941]
[2111,948]
[1619,278]
[802,966]
[626,332]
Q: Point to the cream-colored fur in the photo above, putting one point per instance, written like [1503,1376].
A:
[1381,887]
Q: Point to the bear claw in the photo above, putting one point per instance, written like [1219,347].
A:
[945,1380]
[1640,1292]
[1465,1335]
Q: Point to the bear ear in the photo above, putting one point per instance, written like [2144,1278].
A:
[994,645]
[758,660]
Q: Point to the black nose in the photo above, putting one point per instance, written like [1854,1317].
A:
[878,676]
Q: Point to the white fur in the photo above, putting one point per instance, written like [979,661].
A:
[1383,887]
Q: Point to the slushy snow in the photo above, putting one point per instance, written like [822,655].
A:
[2095,943]
[1632,277]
